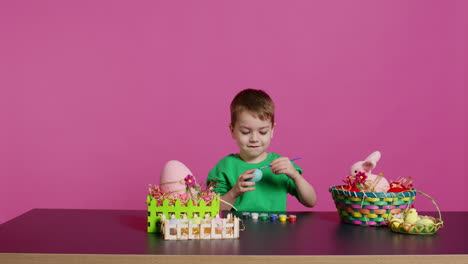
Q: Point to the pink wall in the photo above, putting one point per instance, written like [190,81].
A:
[97,95]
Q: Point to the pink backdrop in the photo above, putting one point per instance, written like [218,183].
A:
[97,95]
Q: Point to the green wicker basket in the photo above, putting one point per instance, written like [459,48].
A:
[369,208]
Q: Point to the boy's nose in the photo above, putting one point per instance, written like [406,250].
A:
[253,137]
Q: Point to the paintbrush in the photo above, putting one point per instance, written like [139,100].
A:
[270,165]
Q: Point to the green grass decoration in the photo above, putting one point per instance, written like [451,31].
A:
[155,212]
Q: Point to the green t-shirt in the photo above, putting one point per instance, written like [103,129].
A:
[270,193]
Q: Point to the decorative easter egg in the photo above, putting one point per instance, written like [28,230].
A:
[419,222]
[406,226]
[398,216]
[396,222]
[258,175]
[426,221]
[196,220]
[172,177]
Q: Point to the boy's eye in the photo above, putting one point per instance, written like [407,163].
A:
[263,132]
[245,132]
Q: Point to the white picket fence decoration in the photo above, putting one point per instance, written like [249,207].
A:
[214,228]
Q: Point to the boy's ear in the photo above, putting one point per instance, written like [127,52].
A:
[231,129]
[273,129]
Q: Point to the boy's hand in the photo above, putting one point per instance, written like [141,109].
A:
[243,185]
[284,166]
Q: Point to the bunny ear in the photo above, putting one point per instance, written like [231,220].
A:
[374,157]
[368,165]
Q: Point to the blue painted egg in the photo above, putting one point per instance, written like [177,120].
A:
[258,174]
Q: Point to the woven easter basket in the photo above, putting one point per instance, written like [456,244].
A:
[419,228]
[370,208]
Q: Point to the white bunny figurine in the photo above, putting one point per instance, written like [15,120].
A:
[374,183]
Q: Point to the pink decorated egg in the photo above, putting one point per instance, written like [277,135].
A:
[172,177]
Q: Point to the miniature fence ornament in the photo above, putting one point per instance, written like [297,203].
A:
[179,194]
[196,228]
[178,210]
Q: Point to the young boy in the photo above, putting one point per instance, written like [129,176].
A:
[252,125]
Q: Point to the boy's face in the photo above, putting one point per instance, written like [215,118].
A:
[253,136]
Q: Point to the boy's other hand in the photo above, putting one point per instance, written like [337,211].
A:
[243,185]
[284,166]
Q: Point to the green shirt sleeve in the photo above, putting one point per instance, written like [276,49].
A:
[219,178]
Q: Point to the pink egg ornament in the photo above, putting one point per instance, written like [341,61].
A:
[172,177]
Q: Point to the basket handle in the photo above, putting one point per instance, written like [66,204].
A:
[433,201]
[228,204]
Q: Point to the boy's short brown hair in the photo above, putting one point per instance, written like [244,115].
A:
[255,101]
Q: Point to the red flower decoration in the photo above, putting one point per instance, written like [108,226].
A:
[402,185]
[350,182]
[190,181]
[361,177]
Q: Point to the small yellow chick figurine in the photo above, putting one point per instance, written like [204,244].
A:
[412,216]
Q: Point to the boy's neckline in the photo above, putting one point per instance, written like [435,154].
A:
[256,163]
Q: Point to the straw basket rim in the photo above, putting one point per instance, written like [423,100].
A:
[410,193]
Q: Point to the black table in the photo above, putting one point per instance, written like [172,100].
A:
[119,236]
